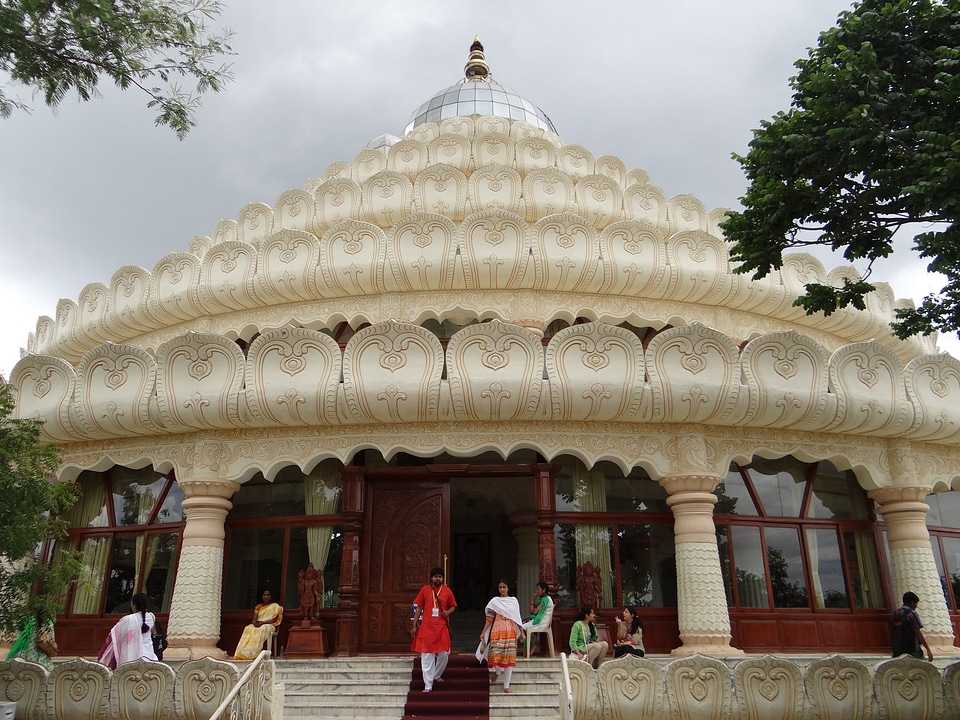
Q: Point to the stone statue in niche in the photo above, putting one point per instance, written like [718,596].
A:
[310,588]
[588,585]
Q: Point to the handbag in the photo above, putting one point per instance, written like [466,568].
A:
[46,643]
[159,640]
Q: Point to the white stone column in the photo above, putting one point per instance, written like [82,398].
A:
[194,626]
[701,601]
[914,567]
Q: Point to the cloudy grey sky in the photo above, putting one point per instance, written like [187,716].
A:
[670,87]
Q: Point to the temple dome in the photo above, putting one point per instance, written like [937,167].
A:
[478,94]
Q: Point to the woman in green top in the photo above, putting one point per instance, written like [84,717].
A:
[26,645]
[585,642]
[538,606]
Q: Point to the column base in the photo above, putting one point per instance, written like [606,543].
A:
[944,650]
[714,651]
[198,652]
[716,646]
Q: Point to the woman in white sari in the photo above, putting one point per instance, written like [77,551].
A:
[130,638]
[498,639]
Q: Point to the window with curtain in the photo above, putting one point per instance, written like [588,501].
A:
[797,535]
[943,521]
[621,525]
[276,529]
[648,565]
[127,526]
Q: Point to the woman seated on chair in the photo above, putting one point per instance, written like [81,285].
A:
[538,606]
[267,617]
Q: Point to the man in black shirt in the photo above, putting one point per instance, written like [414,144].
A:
[906,636]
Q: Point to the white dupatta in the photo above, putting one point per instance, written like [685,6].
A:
[509,608]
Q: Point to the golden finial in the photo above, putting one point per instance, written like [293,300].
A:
[476,68]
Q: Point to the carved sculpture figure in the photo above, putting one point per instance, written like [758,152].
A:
[588,585]
[310,587]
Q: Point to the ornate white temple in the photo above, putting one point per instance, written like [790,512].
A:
[477,346]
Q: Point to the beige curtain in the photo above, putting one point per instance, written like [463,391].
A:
[869,569]
[89,588]
[146,501]
[321,495]
[593,541]
[89,510]
[813,553]
[153,542]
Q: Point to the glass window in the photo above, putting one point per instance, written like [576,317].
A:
[255,564]
[577,545]
[842,559]
[123,574]
[604,489]
[326,559]
[159,569]
[951,576]
[863,569]
[779,485]
[135,494]
[726,564]
[126,555]
[733,498]
[786,568]
[751,573]
[271,555]
[90,510]
[171,510]
[837,495]
[648,566]
[826,569]
[94,551]
[944,509]
[260,498]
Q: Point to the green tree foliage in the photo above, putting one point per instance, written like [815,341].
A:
[870,144]
[28,517]
[55,46]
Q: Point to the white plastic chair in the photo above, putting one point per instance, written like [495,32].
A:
[271,642]
[543,627]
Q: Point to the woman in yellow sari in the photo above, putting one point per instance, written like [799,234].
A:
[267,617]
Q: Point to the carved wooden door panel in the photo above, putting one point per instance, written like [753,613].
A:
[406,532]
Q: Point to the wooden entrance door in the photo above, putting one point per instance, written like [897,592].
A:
[406,532]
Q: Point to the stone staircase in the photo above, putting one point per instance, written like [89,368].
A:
[376,687]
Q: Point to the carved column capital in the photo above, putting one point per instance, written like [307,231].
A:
[905,513]
[208,487]
[691,499]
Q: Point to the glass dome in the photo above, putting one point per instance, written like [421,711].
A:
[478,94]
[479,97]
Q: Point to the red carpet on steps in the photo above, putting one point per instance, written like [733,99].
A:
[463,694]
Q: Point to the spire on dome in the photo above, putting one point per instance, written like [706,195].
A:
[476,68]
